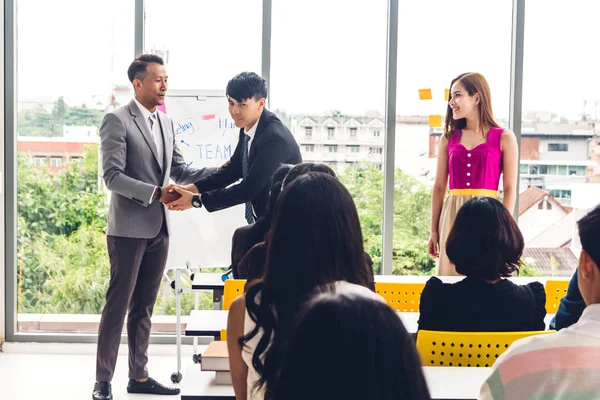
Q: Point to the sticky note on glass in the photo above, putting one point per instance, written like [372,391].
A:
[435,121]
[446,94]
[425,94]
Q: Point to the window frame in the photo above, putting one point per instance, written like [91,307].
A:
[8,202]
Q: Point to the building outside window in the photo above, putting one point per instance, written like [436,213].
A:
[330,133]
[558,147]
[308,132]
[41,161]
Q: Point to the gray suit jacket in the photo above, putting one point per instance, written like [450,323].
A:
[132,171]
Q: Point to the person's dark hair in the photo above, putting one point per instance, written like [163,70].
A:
[246,85]
[352,347]
[276,183]
[315,240]
[139,67]
[304,168]
[485,241]
[589,232]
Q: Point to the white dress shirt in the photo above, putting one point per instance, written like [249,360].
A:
[251,132]
[154,128]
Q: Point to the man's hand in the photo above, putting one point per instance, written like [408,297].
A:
[190,188]
[168,195]
[183,202]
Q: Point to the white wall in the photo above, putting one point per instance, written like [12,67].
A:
[534,221]
[584,197]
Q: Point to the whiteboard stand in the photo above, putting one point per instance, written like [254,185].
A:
[176,285]
[217,290]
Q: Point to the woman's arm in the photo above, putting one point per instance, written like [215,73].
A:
[510,162]
[235,330]
[437,196]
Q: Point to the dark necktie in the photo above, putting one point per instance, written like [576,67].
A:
[249,212]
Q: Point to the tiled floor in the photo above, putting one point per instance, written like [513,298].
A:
[66,371]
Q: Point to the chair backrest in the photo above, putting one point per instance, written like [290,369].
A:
[555,291]
[233,288]
[466,349]
[403,297]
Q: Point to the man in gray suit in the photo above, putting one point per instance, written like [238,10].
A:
[139,155]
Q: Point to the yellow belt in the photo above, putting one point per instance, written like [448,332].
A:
[474,192]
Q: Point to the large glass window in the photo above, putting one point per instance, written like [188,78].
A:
[205,43]
[550,105]
[433,48]
[342,102]
[69,68]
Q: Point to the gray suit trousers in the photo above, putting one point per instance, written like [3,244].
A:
[136,268]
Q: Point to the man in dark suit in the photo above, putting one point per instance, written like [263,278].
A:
[264,144]
[139,155]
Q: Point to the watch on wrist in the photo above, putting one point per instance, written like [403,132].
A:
[196,202]
[158,192]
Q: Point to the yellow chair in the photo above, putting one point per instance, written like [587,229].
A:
[223,335]
[404,297]
[555,291]
[466,349]
[233,288]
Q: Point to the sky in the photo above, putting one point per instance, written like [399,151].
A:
[326,54]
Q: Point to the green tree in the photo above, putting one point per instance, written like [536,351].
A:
[412,202]
[411,218]
[62,260]
[35,122]
[39,122]
[61,218]
[83,116]
[60,109]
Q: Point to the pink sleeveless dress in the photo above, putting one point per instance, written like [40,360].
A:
[471,173]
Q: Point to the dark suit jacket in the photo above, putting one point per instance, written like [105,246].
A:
[273,145]
[244,238]
[571,307]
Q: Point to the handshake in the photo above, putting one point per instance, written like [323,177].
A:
[177,197]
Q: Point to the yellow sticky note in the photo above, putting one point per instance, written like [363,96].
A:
[425,94]
[435,121]
[446,94]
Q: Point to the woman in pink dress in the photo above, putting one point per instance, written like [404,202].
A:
[473,153]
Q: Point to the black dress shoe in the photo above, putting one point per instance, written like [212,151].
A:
[102,391]
[150,387]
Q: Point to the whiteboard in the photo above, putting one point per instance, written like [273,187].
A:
[206,136]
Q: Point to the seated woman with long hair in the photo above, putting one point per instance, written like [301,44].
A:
[486,245]
[351,346]
[252,263]
[315,242]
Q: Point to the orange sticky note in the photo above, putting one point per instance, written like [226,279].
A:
[435,121]
[446,94]
[425,94]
